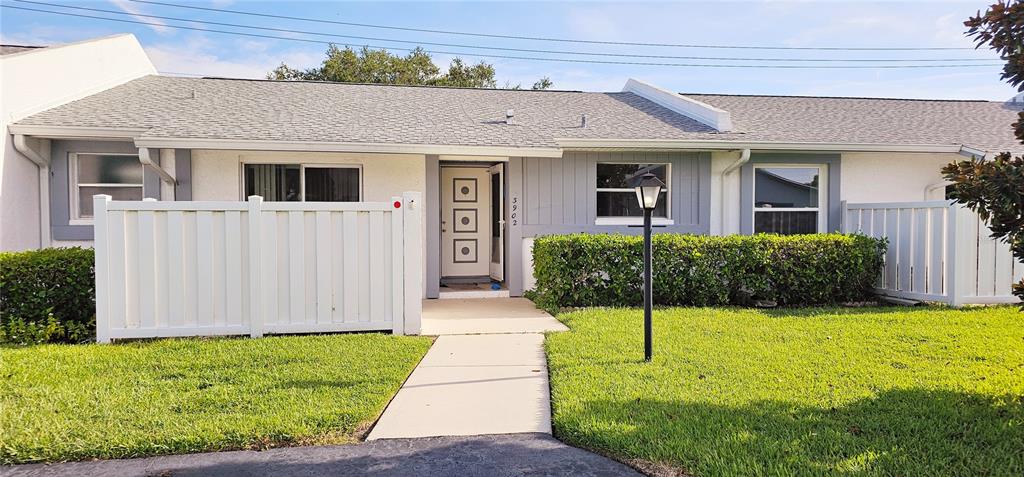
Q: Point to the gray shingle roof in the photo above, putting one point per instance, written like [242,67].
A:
[333,112]
[206,108]
[983,124]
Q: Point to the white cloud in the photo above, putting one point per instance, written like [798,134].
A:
[155,24]
[198,54]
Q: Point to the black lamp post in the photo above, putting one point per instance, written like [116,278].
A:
[648,189]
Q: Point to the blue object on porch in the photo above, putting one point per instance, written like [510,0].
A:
[495,286]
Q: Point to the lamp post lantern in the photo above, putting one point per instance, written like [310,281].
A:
[648,189]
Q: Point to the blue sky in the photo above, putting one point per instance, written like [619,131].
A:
[770,23]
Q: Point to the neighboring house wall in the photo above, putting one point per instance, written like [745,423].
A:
[39,79]
[893,177]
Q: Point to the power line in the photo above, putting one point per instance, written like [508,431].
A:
[510,57]
[522,50]
[563,40]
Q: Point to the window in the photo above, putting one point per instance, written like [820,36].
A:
[616,196]
[116,175]
[300,183]
[788,199]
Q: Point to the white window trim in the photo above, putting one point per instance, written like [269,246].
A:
[73,194]
[302,174]
[821,209]
[618,220]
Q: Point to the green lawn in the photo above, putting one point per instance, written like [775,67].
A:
[69,402]
[882,391]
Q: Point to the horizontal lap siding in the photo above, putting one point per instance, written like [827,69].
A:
[560,196]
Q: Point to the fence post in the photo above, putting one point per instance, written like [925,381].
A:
[255,271]
[398,265]
[102,265]
[413,258]
[844,225]
[956,263]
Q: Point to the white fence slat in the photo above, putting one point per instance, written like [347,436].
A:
[968,251]
[233,267]
[377,266]
[986,265]
[296,269]
[270,278]
[167,269]
[204,268]
[1003,268]
[937,251]
[146,267]
[892,253]
[338,278]
[906,223]
[919,267]
[350,302]
[363,232]
[116,225]
[323,264]
[176,268]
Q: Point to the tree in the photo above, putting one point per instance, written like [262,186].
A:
[995,189]
[380,66]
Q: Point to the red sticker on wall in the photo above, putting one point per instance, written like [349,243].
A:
[398,204]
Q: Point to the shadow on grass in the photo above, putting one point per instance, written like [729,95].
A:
[898,432]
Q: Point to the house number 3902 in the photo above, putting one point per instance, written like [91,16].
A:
[515,211]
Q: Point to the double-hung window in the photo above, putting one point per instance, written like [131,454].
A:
[789,199]
[302,183]
[616,195]
[117,175]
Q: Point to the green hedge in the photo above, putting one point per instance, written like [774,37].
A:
[47,296]
[605,270]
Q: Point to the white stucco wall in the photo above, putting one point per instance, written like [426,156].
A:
[892,177]
[216,174]
[40,79]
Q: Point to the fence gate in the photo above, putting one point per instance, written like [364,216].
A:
[938,251]
[251,268]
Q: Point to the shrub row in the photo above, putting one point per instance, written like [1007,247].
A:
[47,296]
[606,270]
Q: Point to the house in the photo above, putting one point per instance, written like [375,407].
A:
[499,167]
[33,79]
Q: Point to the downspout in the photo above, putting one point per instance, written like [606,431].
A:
[43,163]
[726,203]
[972,153]
[147,160]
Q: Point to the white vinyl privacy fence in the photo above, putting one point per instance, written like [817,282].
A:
[253,268]
[938,251]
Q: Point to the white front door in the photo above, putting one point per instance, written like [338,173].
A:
[497,224]
[465,222]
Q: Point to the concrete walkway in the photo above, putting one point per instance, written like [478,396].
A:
[475,384]
[486,315]
[506,455]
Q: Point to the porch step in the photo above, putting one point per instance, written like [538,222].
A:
[462,294]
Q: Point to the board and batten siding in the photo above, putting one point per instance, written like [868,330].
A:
[559,195]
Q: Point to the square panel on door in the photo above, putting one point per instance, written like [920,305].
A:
[465,190]
[465,250]
[465,220]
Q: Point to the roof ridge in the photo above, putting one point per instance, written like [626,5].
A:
[873,98]
[344,83]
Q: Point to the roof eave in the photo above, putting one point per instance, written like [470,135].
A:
[659,144]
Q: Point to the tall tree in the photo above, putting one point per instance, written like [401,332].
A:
[995,189]
[380,66]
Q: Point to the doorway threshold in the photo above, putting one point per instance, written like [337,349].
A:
[471,290]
